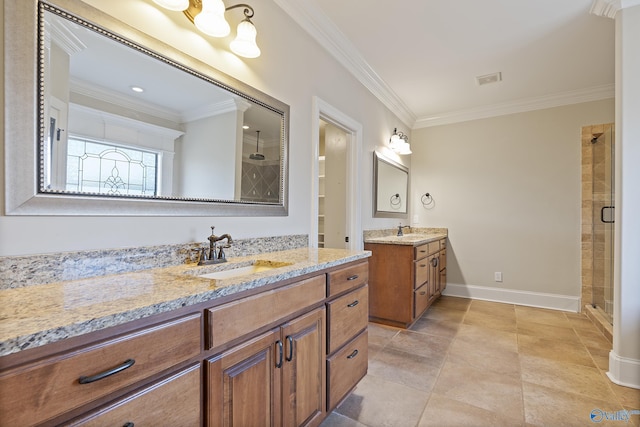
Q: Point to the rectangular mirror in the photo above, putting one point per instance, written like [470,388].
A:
[123,129]
[391,188]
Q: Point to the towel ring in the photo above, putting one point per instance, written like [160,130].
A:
[395,200]
[426,199]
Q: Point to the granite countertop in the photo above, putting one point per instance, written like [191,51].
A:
[413,239]
[41,314]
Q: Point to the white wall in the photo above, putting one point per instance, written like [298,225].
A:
[624,359]
[292,68]
[508,188]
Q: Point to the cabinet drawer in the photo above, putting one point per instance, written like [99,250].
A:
[421,267]
[179,396]
[421,299]
[443,243]
[46,389]
[242,317]
[346,368]
[347,278]
[347,316]
[421,251]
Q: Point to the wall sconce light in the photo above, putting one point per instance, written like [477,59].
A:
[399,142]
[208,17]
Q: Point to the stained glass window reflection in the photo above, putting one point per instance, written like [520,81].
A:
[100,167]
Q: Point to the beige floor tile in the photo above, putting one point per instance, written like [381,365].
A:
[404,368]
[553,349]
[566,377]
[487,337]
[379,336]
[485,357]
[376,402]
[600,357]
[547,331]
[337,420]
[477,387]
[452,303]
[430,347]
[545,406]
[493,308]
[444,313]
[629,397]
[580,322]
[540,315]
[442,328]
[490,321]
[593,339]
[444,412]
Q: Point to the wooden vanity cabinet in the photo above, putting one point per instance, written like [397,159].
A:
[275,379]
[404,280]
[60,383]
[347,313]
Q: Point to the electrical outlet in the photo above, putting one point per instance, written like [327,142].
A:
[498,276]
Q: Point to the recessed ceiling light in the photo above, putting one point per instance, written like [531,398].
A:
[489,78]
[137,89]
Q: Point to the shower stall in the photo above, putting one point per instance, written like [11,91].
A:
[602,215]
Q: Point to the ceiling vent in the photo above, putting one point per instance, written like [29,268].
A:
[488,79]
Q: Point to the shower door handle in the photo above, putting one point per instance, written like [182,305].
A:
[609,221]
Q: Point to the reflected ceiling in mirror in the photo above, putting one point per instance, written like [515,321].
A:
[125,126]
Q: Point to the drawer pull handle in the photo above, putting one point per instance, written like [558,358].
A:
[280,354]
[423,293]
[354,277]
[127,364]
[352,355]
[423,265]
[128,424]
[290,344]
[353,304]
[434,262]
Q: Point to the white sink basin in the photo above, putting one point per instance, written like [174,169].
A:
[235,272]
[228,271]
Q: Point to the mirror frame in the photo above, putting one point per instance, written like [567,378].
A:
[377,158]
[22,136]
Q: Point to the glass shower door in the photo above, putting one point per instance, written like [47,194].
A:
[603,222]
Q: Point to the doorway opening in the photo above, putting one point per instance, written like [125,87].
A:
[336,212]
[598,205]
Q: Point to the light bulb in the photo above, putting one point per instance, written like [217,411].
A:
[245,41]
[211,19]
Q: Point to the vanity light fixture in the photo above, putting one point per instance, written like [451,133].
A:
[399,142]
[208,17]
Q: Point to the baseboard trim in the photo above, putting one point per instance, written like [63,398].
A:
[624,371]
[509,296]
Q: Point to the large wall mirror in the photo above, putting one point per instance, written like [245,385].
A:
[105,120]
[391,188]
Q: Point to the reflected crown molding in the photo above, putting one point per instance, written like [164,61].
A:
[609,8]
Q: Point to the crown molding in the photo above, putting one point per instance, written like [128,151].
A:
[538,103]
[609,8]
[327,34]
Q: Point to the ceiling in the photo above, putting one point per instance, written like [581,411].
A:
[422,57]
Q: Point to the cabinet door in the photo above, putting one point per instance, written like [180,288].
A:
[303,384]
[434,277]
[243,384]
[174,401]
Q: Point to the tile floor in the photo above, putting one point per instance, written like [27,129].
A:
[478,363]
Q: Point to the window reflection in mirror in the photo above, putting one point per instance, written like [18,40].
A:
[118,121]
[391,188]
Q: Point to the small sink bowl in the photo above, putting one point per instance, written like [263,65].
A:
[232,270]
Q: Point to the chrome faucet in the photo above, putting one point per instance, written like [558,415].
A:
[214,246]
[400,227]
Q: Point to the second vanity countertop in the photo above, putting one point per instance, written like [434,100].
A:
[40,314]
[413,239]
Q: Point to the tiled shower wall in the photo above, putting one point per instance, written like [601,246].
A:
[594,189]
